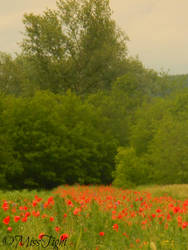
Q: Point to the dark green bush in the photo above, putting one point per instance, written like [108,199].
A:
[55,140]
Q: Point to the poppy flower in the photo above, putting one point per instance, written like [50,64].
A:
[6,220]
[57,229]
[63,237]
[101,233]
[24,219]
[184,225]
[69,202]
[16,218]
[51,218]
[115,227]
[9,229]
[41,235]
[34,203]
[5,206]
[76,210]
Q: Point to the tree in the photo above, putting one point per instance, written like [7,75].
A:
[168,151]
[56,139]
[77,46]
[131,170]
[11,77]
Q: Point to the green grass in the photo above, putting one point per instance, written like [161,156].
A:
[177,191]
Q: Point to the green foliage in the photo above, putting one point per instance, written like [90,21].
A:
[77,46]
[130,169]
[169,151]
[57,139]
[73,96]
[158,137]
[11,76]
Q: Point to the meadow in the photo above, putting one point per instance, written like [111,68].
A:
[95,218]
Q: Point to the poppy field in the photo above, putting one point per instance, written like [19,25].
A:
[92,218]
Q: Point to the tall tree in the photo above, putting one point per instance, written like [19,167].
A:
[11,76]
[76,46]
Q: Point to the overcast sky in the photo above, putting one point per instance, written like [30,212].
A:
[158,29]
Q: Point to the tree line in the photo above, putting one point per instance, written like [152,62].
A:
[75,108]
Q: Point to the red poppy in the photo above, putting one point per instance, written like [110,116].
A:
[9,229]
[115,227]
[5,206]
[24,219]
[76,210]
[69,202]
[16,218]
[41,235]
[51,218]
[27,214]
[6,220]
[34,203]
[57,229]
[101,233]
[63,237]
[184,225]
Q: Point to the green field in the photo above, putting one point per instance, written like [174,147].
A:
[95,217]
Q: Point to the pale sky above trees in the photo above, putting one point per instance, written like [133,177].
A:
[157,29]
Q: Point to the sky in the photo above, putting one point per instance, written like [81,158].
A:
[157,29]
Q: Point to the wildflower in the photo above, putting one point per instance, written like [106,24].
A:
[176,209]
[168,217]
[37,198]
[21,244]
[51,218]
[34,203]
[41,236]
[6,220]
[9,229]
[125,235]
[13,210]
[27,214]
[50,199]
[144,222]
[16,218]
[44,216]
[158,210]
[76,210]
[57,229]
[69,202]
[5,206]
[101,233]
[115,227]
[24,219]
[184,225]
[63,237]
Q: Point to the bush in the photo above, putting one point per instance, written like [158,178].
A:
[131,170]
[56,140]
